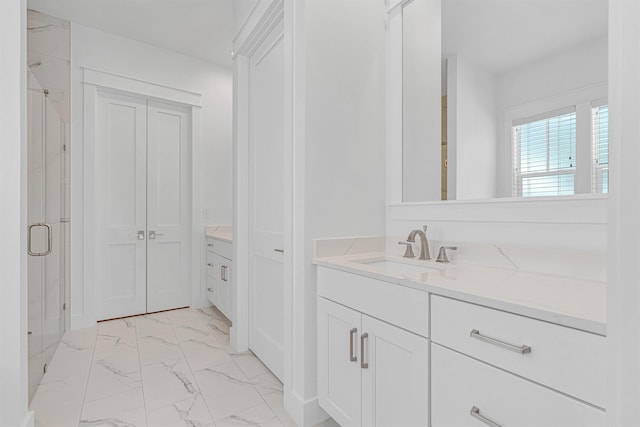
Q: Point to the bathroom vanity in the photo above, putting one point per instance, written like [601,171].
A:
[219,268]
[419,343]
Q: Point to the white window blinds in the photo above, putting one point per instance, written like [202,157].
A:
[600,149]
[544,154]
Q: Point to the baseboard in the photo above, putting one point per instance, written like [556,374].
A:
[305,413]
[29,420]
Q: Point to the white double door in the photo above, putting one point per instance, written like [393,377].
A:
[141,206]
[266,202]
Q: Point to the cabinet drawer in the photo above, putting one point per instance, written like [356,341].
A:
[219,247]
[211,290]
[399,305]
[562,358]
[460,383]
[213,266]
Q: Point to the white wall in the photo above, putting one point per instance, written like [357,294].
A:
[118,55]
[579,67]
[13,258]
[344,144]
[472,136]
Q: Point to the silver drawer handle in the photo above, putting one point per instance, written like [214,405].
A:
[363,337]
[475,413]
[352,333]
[210,289]
[209,264]
[279,250]
[521,349]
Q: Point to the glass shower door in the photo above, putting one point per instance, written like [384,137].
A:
[45,239]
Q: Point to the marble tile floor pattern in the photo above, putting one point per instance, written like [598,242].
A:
[170,369]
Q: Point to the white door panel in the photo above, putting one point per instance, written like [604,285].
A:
[120,205]
[168,207]
[266,202]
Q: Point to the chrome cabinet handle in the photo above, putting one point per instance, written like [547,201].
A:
[210,245]
[225,269]
[29,229]
[352,334]
[363,337]
[279,250]
[475,413]
[521,349]
[140,235]
[210,289]
[209,264]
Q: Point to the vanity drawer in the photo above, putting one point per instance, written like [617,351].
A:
[399,305]
[220,247]
[212,265]
[562,358]
[459,383]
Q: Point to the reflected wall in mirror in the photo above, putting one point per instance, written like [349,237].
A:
[504,98]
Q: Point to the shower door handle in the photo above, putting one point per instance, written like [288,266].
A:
[31,227]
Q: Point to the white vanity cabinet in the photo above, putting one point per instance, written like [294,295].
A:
[371,372]
[489,366]
[219,274]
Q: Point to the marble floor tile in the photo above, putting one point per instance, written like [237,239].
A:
[226,390]
[191,412]
[154,348]
[250,365]
[260,415]
[170,369]
[204,352]
[275,402]
[113,375]
[267,384]
[167,382]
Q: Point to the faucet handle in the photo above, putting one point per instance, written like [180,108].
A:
[408,253]
[442,253]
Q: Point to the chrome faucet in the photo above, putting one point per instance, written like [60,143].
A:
[424,243]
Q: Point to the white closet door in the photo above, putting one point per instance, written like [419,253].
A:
[266,203]
[120,206]
[167,207]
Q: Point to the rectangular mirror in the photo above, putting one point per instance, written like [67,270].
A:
[504,98]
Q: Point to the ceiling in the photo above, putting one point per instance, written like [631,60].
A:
[502,35]
[199,28]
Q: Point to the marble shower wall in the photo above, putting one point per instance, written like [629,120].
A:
[49,58]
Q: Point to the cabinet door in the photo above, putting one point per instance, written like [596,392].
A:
[339,371]
[395,382]
[223,286]
[225,283]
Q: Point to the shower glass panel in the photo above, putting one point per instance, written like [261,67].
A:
[46,201]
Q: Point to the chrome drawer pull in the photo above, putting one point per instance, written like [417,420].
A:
[475,413]
[522,349]
[352,334]
[363,364]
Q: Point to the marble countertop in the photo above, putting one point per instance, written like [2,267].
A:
[568,301]
[219,232]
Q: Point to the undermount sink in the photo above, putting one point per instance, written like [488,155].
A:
[396,267]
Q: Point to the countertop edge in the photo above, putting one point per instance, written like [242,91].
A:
[558,318]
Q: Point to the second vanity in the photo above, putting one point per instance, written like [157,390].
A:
[219,268]
[417,343]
